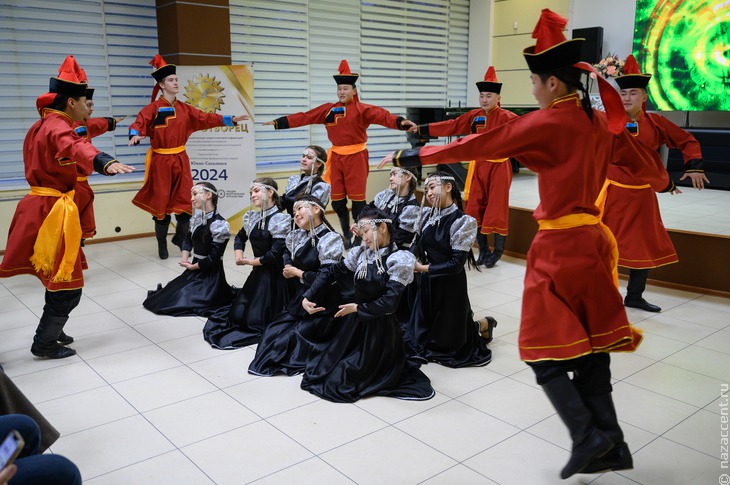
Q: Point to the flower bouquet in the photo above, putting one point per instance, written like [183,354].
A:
[611,66]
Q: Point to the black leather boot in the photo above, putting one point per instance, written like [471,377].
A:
[64,339]
[45,342]
[635,290]
[499,241]
[161,235]
[604,415]
[589,443]
[181,229]
[484,251]
[345,225]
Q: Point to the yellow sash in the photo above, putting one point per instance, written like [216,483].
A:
[470,174]
[601,200]
[82,179]
[340,150]
[577,220]
[61,222]
[161,151]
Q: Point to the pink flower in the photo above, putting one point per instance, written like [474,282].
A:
[611,70]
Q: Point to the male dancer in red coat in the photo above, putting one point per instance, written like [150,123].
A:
[572,313]
[487,184]
[168,180]
[45,234]
[346,122]
[631,208]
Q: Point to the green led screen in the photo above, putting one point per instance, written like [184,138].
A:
[685,45]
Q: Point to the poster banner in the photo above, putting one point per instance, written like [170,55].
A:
[225,156]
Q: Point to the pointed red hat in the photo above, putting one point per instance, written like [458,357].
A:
[345,76]
[81,74]
[632,76]
[551,50]
[67,82]
[162,69]
[490,83]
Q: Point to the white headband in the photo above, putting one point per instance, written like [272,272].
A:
[202,187]
[263,186]
[308,202]
[439,179]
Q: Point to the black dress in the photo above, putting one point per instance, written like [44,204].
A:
[296,186]
[202,291]
[296,337]
[364,355]
[403,211]
[441,327]
[264,294]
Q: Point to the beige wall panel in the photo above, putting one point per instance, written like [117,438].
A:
[525,13]
[516,88]
[507,52]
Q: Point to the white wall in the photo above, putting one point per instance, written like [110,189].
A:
[480,48]
[615,16]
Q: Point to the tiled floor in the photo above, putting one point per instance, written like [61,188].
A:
[693,210]
[146,401]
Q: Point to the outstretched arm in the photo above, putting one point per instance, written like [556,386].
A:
[312,117]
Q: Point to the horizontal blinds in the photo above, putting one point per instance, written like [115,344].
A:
[273,37]
[112,41]
[131,42]
[334,34]
[408,53]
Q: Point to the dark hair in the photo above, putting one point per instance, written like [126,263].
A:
[321,154]
[271,182]
[571,76]
[370,212]
[61,100]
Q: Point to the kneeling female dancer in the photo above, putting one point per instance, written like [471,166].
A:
[264,294]
[296,337]
[202,288]
[442,328]
[309,179]
[365,355]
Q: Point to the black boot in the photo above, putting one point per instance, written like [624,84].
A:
[45,342]
[589,443]
[357,207]
[64,339]
[484,251]
[345,224]
[604,415]
[634,290]
[181,229]
[161,235]
[499,241]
